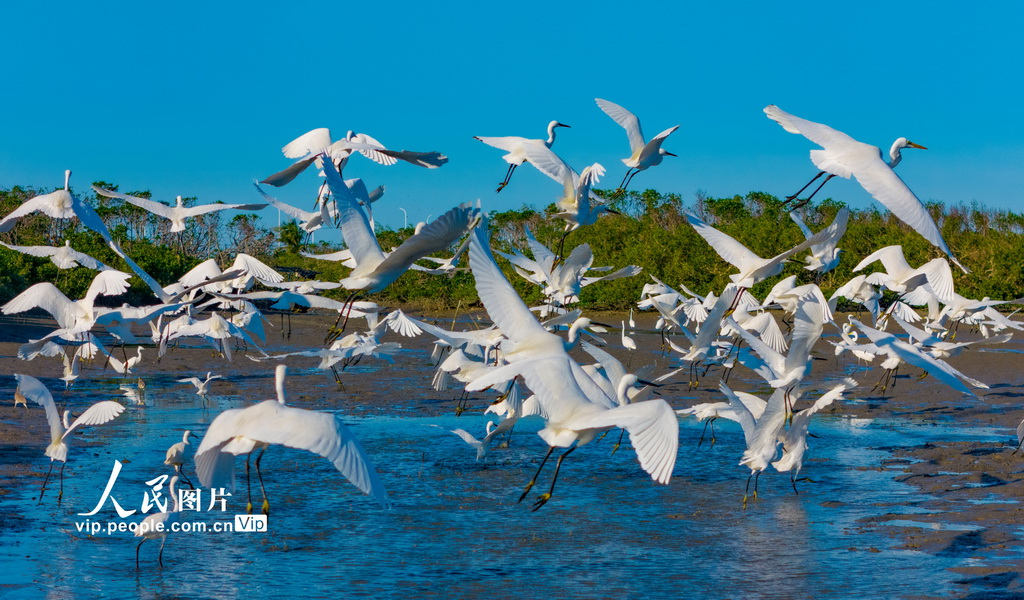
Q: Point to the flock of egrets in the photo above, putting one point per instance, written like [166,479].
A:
[526,363]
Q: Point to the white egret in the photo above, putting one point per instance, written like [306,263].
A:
[516,148]
[61,429]
[824,255]
[58,205]
[158,525]
[175,456]
[900,351]
[63,257]
[202,386]
[845,156]
[244,430]
[74,316]
[574,407]
[179,212]
[374,271]
[644,154]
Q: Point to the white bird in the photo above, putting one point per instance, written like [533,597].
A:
[125,367]
[845,156]
[158,525]
[794,442]
[309,221]
[901,351]
[60,430]
[574,407]
[74,316]
[752,268]
[202,386]
[175,456]
[374,271]
[579,206]
[644,154]
[58,205]
[244,430]
[824,255]
[516,148]
[64,257]
[179,212]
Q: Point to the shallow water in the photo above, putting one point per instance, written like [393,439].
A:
[457,530]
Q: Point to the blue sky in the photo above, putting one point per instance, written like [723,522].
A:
[197,99]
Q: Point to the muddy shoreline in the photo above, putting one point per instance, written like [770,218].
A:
[972,488]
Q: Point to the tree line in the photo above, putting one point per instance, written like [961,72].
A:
[651,232]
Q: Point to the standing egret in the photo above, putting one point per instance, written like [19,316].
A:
[644,154]
[175,456]
[97,414]
[245,430]
[158,525]
[844,156]
[516,146]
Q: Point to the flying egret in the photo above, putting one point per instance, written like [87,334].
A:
[374,270]
[644,154]
[575,408]
[63,257]
[97,414]
[579,205]
[179,212]
[58,205]
[158,525]
[845,156]
[202,386]
[516,148]
[175,456]
[824,255]
[74,316]
[244,430]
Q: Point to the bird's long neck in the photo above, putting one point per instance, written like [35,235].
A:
[551,134]
[67,179]
[895,155]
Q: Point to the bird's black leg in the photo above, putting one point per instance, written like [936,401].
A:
[537,474]
[543,498]
[813,179]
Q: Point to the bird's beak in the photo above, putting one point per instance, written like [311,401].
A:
[913,145]
[192,435]
[670,154]
[650,383]
[614,212]
[563,125]
[602,324]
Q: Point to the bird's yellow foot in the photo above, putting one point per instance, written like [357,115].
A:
[744,502]
[266,507]
[459,410]
[541,501]
[529,487]
[615,447]
[248,508]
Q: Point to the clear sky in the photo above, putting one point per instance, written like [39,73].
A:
[197,99]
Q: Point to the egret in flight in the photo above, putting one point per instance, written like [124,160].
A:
[97,414]
[515,146]
[644,154]
[844,156]
[245,430]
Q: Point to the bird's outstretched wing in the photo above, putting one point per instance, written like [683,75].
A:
[628,121]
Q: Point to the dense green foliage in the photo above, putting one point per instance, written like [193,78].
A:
[652,233]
